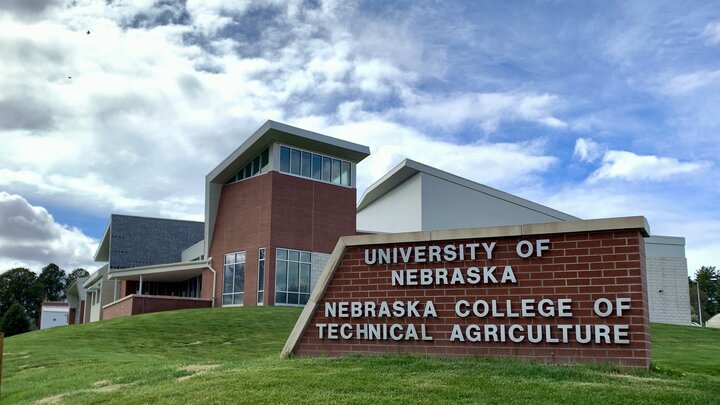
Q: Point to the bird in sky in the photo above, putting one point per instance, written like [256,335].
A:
[88,32]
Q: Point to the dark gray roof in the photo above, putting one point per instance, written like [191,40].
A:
[141,241]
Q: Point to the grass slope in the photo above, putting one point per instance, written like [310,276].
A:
[231,356]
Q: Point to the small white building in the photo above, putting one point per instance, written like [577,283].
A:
[54,314]
[713,322]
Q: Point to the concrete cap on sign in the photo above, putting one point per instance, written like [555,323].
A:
[594,225]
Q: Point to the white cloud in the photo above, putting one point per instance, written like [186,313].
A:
[488,110]
[686,83]
[712,32]
[495,164]
[617,164]
[588,150]
[29,236]
[144,103]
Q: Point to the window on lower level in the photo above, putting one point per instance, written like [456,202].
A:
[292,277]
[233,278]
[261,276]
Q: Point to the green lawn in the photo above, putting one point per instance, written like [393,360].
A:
[232,356]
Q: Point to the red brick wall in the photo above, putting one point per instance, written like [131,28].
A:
[310,215]
[307,215]
[242,224]
[581,266]
[135,304]
[122,307]
[276,210]
[206,283]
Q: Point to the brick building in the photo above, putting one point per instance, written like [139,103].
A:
[275,209]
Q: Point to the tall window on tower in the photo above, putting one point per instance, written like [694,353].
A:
[292,277]
[233,278]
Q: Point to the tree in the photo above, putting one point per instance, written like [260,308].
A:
[22,286]
[74,275]
[707,278]
[15,320]
[53,278]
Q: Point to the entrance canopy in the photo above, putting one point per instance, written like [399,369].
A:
[170,272]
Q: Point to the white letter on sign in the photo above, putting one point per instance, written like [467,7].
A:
[528,249]
[608,307]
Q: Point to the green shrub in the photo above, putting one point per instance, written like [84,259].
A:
[15,321]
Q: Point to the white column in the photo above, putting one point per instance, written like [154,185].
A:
[141,291]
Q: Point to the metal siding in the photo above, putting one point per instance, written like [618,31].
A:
[399,210]
[193,251]
[447,205]
[665,246]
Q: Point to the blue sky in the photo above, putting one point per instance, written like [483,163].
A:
[596,108]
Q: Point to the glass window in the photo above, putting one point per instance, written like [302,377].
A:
[306,164]
[317,167]
[255,166]
[304,281]
[285,159]
[336,171]
[261,276]
[314,166]
[233,278]
[327,168]
[239,277]
[345,174]
[292,277]
[228,278]
[295,161]
[281,275]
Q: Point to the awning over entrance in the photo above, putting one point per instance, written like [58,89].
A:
[171,272]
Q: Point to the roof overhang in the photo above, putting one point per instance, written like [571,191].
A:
[170,272]
[273,131]
[102,254]
[99,273]
[408,168]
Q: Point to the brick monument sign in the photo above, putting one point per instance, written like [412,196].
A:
[561,292]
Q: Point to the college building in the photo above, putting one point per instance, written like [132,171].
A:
[274,211]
